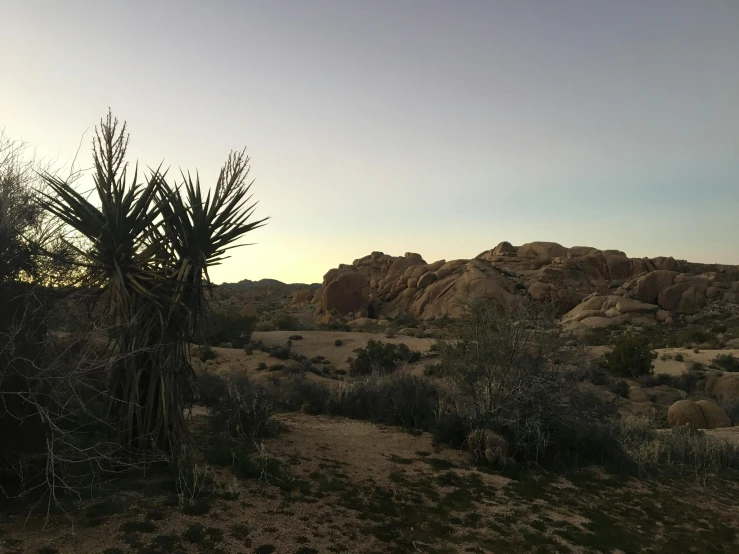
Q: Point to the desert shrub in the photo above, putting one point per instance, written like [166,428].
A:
[688,337]
[404,400]
[338,342]
[211,388]
[697,366]
[514,372]
[280,352]
[317,359]
[405,320]
[252,345]
[230,326]
[621,388]
[687,382]
[261,366]
[682,450]
[276,367]
[286,322]
[488,447]
[375,357]
[298,393]
[679,357]
[296,337]
[726,362]
[631,357]
[205,353]
[265,326]
[380,357]
[404,353]
[390,332]
[244,411]
[432,370]
[334,325]
[596,337]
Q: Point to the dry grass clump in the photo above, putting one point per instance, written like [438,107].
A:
[682,450]
[488,446]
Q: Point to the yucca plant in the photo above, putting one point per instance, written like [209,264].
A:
[149,246]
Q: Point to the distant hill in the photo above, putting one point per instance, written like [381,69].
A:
[247,284]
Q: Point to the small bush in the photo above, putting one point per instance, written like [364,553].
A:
[252,345]
[726,362]
[688,337]
[334,325]
[679,357]
[261,366]
[296,337]
[621,388]
[338,342]
[245,410]
[488,447]
[407,355]
[265,326]
[404,400]
[631,357]
[597,337]
[286,322]
[211,388]
[205,353]
[228,327]
[381,358]
[280,352]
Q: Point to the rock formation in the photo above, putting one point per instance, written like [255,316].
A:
[594,288]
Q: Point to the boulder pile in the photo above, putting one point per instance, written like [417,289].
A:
[594,288]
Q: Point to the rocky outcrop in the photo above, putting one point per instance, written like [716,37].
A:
[594,288]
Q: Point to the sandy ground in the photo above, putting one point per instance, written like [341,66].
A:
[673,367]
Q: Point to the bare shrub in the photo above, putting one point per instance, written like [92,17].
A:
[513,371]
[488,446]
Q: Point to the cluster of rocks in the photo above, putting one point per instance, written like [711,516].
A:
[597,288]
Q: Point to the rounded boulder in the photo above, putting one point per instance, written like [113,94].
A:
[685,412]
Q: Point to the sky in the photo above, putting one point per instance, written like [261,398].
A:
[437,127]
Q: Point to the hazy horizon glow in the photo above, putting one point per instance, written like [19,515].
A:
[430,126]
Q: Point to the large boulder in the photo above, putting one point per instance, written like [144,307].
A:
[686,296]
[540,249]
[686,412]
[714,415]
[649,287]
[349,292]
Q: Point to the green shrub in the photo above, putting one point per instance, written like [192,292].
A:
[597,337]
[252,345]
[679,357]
[205,353]
[726,362]
[220,327]
[286,322]
[334,325]
[631,357]
[688,337]
[261,366]
[405,400]
[621,388]
[296,337]
[211,388]
[280,352]
[380,357]
[338,342]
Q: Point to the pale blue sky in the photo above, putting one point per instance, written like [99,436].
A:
[439,127]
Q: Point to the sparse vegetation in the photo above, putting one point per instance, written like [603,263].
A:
[631,356]
[726,362]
